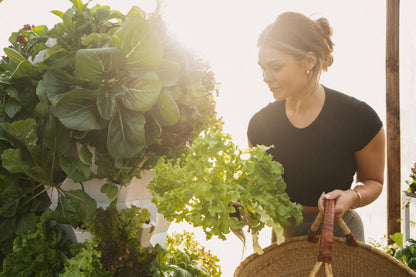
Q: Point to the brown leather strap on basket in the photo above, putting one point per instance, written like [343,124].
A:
[326,240]
[327,237]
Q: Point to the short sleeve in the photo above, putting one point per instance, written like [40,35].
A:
[368,125]
[255,130]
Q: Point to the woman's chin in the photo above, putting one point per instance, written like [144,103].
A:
[278,96]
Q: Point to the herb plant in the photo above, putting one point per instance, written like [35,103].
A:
[404,252]
[220,188]
[182,247]
[37,252]
[412,183]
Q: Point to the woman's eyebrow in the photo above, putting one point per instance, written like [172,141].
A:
[275,61]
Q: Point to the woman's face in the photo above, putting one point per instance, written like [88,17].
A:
[283,73]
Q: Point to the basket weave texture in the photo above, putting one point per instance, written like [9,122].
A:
[297,257]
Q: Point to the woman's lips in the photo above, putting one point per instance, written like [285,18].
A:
[274,89]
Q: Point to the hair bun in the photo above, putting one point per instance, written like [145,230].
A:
[323,24]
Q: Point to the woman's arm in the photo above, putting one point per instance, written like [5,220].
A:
[369,178]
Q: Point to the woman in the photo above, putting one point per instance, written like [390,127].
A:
[322,137]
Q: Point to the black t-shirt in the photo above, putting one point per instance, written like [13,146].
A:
[320,157]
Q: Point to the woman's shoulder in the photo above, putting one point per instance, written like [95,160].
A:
[343,102]
[270,110]
[340,97]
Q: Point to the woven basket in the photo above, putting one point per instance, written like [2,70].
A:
[298,257]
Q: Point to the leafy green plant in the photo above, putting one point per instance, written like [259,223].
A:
[404,252]
[117,248]
[99,95]
[86,262]
[37,252]
[117,233]
[99,81]
[412,183]
[180,244]
[216,186]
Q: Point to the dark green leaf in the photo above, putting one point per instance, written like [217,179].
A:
[7,227]
[12,161]
[56,84]
[23,70]
[106,105]
[25,132]
[412,263]
[78,110]
[41,175]
[11,108]
[57,137]
[25,223]
[85,155]
[75,169]
[65,210]
[42,108]
[143,93]
[8,206]
[126,135]
[85,205]
[109,189]
[97,64]
[58,58]
[13,93]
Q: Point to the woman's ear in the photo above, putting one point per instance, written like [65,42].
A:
[310,61]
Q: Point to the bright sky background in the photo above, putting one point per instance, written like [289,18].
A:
[225,32]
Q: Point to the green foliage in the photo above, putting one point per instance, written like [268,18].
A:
[405,252]
[115,250]
[98,81]
[182,245]
[37,252]
[412,183]
[117,234]
[218,187]
[86,262]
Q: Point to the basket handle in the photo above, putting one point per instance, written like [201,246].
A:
[312,236]
[327,237]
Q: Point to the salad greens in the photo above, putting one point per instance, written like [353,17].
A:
[220,188]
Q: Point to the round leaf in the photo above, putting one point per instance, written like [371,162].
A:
[97,64]
[140,43]
[109,189]
[126,134]
[75,169]
[168,109]
[56,83]
[77,110]
[143,93]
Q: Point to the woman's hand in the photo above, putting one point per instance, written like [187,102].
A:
[344,200]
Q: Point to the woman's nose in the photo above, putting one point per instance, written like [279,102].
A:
[266,76]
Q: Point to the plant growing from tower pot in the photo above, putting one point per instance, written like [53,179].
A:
[93,102]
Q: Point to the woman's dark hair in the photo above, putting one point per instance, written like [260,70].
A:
[297,34]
